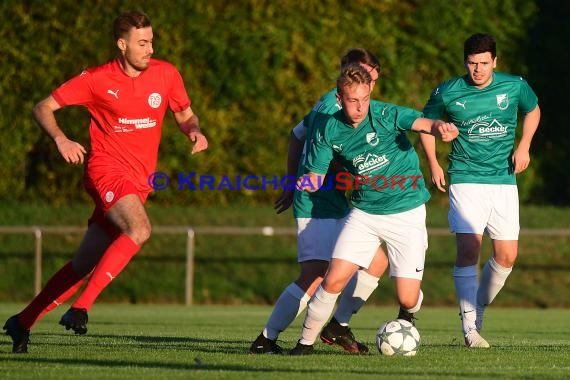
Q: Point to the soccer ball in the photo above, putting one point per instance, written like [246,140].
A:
[398,337]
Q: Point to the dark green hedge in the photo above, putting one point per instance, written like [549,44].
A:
[253,68]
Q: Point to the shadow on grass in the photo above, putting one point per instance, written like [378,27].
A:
[196,365]
[141,342]
[123,363]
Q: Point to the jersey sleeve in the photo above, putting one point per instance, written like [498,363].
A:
[76,91]
[435,107]
[178,100]
[397,117]
[405,117]
[528,99]
[320,152]
[300,131]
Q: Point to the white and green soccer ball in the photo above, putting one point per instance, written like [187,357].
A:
[398,337]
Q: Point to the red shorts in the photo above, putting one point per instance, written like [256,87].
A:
[105,190]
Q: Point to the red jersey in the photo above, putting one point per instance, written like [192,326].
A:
[126,115]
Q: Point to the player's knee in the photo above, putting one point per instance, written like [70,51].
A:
[140,233]
[334,285]
[145,233]
[506,261]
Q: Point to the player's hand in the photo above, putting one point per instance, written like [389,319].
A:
[448,131]
[521,160]
[284,201]
[71,151]
[199,140]
[438,177]
[310,182]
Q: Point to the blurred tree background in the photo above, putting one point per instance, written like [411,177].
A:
[253,68]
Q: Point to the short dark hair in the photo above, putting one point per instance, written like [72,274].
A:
[360,55]
[352,74]
[479,43]
[127,20]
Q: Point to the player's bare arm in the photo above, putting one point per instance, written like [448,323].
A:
[437,174]
[521,156]
[439,128]
[44,114]
[189,125]
[293,157]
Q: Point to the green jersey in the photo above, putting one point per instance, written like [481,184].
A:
[328,202]
[385,166]
[486,119]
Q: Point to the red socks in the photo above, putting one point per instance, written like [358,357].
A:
[115,258]
[62,285]
[61,299]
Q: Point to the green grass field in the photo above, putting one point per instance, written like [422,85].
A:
[212,342]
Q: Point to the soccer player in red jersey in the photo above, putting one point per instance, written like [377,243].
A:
[127,99]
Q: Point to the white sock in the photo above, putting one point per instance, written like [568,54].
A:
[465,279]
[289,305]
[319,311]
[493,277]
[359,288]
[418,306]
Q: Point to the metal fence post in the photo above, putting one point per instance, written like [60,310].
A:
[38,261]
[190,266]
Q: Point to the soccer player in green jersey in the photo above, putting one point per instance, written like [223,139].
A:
[369,140]
[483,163]
[319,217]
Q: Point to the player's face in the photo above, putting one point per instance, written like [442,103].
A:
[373,73]
[137,49]
[355,101]
[480,68]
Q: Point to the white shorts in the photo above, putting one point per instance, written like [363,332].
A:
[316,238]
[405,235]
[484,209]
